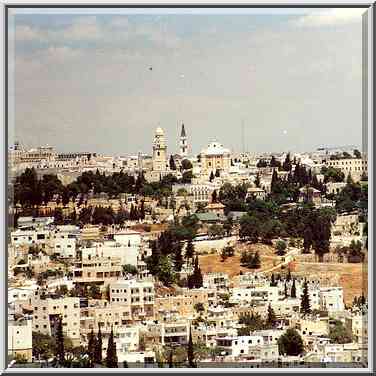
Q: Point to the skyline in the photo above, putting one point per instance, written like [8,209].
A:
[80,75]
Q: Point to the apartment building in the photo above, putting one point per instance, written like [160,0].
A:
[354,166]
[139,296]
[20,338]
[47,308]
[100,270]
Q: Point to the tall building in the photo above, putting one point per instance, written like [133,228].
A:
[159,151]
[183,142]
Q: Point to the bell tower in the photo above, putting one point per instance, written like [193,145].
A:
[159,151]
[183,142]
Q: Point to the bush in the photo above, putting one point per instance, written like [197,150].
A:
[281,247]
[290,343]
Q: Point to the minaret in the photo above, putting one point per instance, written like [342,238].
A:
[183,142]
[159,151]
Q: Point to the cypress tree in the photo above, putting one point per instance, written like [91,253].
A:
[274,182]
[211,177]
[272,282]
[189,250]
[179,261]
[271,317]
[197,275]
[293,289]
[91,348]
[305,306]
[256,262]
[111,359]
[172,163]
[98,347]
[170,360]
[142,210]
[190,352]
[257,181]
[289,276]
[286,293]
[60,352]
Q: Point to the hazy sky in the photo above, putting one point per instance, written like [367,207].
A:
[82,82]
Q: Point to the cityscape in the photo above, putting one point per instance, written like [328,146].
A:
[198,200]
[176,260]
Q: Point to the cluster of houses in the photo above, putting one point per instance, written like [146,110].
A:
[144,315]
[147,316]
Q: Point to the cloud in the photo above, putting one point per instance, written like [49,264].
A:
[27,33]
[330,17]
[83,29]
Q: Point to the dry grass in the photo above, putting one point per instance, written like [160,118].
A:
[352,277]
[231,266]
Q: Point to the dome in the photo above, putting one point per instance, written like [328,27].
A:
[159,131]
[215,148]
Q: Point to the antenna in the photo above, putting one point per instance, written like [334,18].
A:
[243,138]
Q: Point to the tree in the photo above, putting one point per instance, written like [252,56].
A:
[290,343]
[91,348]
[257,181]
[98,347]
[129,269]
[227,226]
[272,281]
[187,177]
[43,345]
[111,359]
[227,251]
[308,240]
[338,333]
[287,165]
[271,318]
[165,271]
[357,153]
[172,163]
[217,173]
[249,228]
[281,247]
[286,291]
[293,289]
[60,352]
[305,306]
[190,351]
[214,196]
[186,164]
[255,261]
[211,177]
[189,250]
[332,174]
[195,280]
[199,307]
[178,257]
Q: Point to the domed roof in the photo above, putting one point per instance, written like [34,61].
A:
[159,131]
[215,148]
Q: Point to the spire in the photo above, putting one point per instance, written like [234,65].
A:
[182,134]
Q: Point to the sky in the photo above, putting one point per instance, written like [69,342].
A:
[261,80]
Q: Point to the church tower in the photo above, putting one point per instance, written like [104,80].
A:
[183,142]
[159,151]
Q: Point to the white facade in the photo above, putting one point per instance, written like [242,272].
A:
[20,338]
[65,247]
[126,254]
[29,237]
